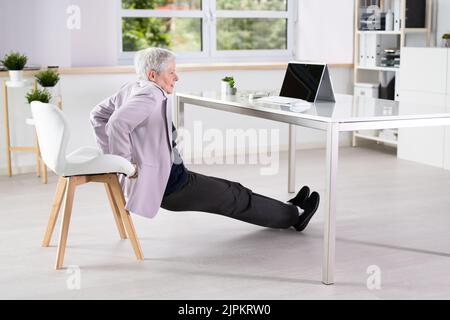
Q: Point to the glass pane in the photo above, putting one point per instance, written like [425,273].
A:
[273,5]
[162,4]
[177,34]
[251,34]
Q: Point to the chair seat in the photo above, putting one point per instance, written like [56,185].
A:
[91,161]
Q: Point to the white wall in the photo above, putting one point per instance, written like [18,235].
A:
[17,20]
[443,22]
[326,30]
[52,40]
[95,44]
[40,31]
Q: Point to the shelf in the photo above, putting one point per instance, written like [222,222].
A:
[416,30]
[368,137]
[19,84]
[381,32]
[379,68]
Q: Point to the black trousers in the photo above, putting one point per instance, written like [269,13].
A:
[231,199]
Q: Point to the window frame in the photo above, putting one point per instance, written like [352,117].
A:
[209,15]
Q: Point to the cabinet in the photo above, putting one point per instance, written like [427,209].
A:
[425,84]
[371,46]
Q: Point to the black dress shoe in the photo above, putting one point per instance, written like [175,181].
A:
[311,205]
[300,198]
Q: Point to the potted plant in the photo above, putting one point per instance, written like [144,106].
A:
[15,62]
[48,79]
[38,95]
[446,40]
[229,86]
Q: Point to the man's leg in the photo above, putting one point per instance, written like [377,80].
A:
[231,199]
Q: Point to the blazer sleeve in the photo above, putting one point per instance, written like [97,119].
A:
[124,120]
[99,117]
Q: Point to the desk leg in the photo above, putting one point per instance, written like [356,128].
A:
[292,149]
[330,204]
[180,113]
[8,140]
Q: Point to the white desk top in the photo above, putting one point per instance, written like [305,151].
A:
[346,109]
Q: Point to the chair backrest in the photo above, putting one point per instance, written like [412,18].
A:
[53,135]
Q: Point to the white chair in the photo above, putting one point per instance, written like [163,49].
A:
[81,166]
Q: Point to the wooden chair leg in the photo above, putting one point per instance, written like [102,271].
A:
[60,190]
[120,200]
[38,158]
[38,165]
[44,174]
[68,203]
[116,212]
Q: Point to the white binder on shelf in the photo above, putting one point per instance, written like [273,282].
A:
[373,50]
[397,14]
[362,50]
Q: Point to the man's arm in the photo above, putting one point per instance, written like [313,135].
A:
[99,117]
[124,120]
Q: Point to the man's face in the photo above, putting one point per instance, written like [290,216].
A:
[167,78]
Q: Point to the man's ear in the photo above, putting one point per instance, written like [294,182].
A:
[151,75]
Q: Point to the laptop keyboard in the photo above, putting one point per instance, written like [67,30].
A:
[282,100]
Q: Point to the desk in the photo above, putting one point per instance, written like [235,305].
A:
[348,114]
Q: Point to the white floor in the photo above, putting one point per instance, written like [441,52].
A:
[391,213]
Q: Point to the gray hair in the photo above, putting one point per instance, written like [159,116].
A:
[152,59]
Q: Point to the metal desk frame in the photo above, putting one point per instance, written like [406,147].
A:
[332,127]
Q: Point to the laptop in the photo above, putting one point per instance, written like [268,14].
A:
[304,84]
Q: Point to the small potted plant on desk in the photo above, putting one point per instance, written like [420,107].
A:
[48,79]
[228,86]
[15,62]
[446,40]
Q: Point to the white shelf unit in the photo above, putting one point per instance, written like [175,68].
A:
[374,73]
[425,86]
[388,69]
[375,138]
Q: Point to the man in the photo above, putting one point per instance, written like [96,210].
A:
[136,123]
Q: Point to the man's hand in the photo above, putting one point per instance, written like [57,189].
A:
[135,175]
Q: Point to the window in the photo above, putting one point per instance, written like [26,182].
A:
[214,29]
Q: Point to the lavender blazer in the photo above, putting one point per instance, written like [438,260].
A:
[136,123]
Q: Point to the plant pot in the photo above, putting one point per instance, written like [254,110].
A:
[227,90]
[16,75]
[52,91]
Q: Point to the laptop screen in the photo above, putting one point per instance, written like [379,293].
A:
[302,81]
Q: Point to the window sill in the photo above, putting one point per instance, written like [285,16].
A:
[180,68]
